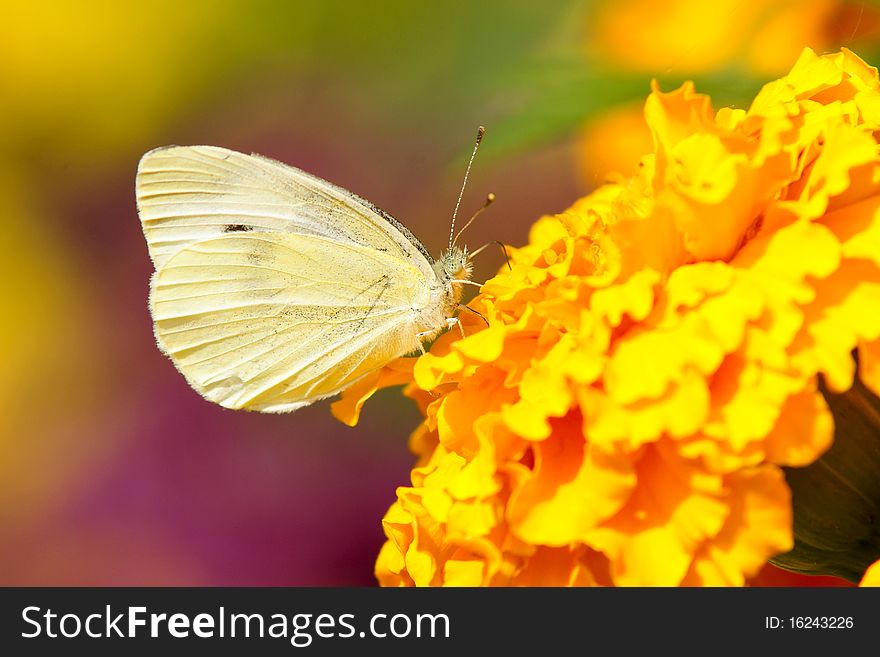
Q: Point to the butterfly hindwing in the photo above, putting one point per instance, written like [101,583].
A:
[267,321]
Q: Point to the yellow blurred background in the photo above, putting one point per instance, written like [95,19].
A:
[112,470]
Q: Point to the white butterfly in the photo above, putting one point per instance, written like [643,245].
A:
[274,288]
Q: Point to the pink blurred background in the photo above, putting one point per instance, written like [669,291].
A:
[112,470]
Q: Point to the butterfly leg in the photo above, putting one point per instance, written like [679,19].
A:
[503,250]
[475,312]
[450,321]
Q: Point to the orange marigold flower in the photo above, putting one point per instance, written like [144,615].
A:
[652,355]
[610,144]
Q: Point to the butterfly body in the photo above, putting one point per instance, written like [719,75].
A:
[274,288]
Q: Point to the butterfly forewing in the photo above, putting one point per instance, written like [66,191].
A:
[188,194]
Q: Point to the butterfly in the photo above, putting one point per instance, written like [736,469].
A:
[274,288]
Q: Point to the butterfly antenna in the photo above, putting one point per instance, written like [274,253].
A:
[480,132]
[474,254]
[489,199]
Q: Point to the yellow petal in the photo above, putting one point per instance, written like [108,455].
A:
[573,488]
[348,408]
[673,510]
[869,365]
[803,432]
[758,527]
[872,575]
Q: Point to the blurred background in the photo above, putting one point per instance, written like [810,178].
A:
[112,470]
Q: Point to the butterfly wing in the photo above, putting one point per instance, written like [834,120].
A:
[187,194]
[273,321]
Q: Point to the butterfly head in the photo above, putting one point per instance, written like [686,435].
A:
[454,264]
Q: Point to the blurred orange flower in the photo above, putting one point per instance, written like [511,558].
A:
[652,357]
[610,145]
[757,38]
[693,37]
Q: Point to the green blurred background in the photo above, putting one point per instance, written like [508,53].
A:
[112,470]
